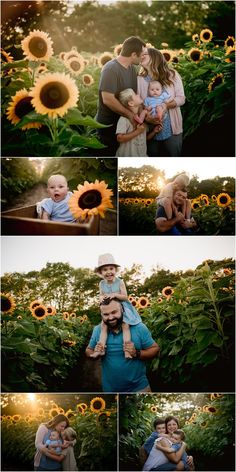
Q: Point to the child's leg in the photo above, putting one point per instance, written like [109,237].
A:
[102,342]
[159,112]
[167,204]
[141,117]
[126,338]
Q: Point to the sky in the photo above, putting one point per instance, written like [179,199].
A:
[203,167]
[26,253]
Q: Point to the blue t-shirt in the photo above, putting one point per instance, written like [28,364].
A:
[58,211]
[118,373]
[176,230]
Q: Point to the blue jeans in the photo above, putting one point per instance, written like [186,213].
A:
[171,147]
[167,466]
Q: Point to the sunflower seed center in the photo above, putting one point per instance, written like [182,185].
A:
[23,107]
[38,47]
[90,199]
[54,95]
[5,304]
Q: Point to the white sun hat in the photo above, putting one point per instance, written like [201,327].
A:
[105,259]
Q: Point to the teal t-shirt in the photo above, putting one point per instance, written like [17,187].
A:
[118,373]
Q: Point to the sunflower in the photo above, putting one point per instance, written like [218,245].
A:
[130,298]
[81,407]
[85,318]
[117,49]
[72,54]
[70,413]
[81,319]
[213,197]
[7,304]
[5,56]
[167,292]
[68,343]
[229,42]
[143,301]
[90,199]
[159,300]
[66,315]
[215,81]
[223,200]
[53,412]
[16,418]
[167,54]
[165,45]
[41,70]
[229,52]
[205,408]
[154,409]
[51,310]
[206,35]
[195,54]
[148,201]
[204,424]
[199,408]
[62,55]
[39,312]
[175,59]
[53,94]
[87,80]
[103,417]
[97,404]
[73,316]
[104,58]
[195,37]
[20,106]
[195,204]
[19,317]
[205,200]
[40,412]
[75,64]
[134,303]
[37,46]
[212,409]
[34,303]
[9,417]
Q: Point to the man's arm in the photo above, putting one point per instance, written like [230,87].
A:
[163,225]
[143,354]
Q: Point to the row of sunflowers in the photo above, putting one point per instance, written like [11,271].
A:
[52,99]
[214,214]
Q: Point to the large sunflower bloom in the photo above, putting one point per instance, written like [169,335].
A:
[167,291]
[20,106]
[16,418]
[217,80]
[81,407]
[223,200]
[70,413]
[97,404]
[39,312]
[104,58]
[37,46]
[167,54]
[143,302]
[195,54]
[90,199]
[34,303]
[87,80]
[53,94]
[229,42]
[7,304]
[206,35]
[75,64]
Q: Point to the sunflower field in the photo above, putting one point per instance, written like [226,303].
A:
[207,420]
[49,101]
[215,215]
[93,419]
[190,315]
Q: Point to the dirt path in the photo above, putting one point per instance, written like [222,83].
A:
[31,196]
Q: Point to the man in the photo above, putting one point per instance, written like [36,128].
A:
[117,75]
[120,374]
[177,225]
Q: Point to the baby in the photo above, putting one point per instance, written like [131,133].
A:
[54,442]
[156,99]
[56,207]
[165,197]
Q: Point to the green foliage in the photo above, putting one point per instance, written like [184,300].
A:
[17,175]
[137,219]
[215,220]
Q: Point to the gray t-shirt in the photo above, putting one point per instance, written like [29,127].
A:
[114,79]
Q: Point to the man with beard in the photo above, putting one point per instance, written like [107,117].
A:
[120,374]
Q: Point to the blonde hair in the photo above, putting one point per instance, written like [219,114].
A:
[159,68]
[53,176]
[181,179]
[125,96]
[70,433]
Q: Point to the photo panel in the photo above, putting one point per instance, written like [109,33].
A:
[178,309]
[75,431]
[59,196]
[176,431]
[176,197]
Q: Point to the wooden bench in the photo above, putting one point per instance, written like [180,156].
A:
[24,221]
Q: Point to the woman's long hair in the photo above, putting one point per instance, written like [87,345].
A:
[159,68]
[51,424]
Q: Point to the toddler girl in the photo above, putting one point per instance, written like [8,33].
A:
[69,463]
[112,286]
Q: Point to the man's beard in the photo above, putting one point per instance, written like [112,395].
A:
[114,326]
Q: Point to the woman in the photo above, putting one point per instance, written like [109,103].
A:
[155,67]
[43,459]
[171,424]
